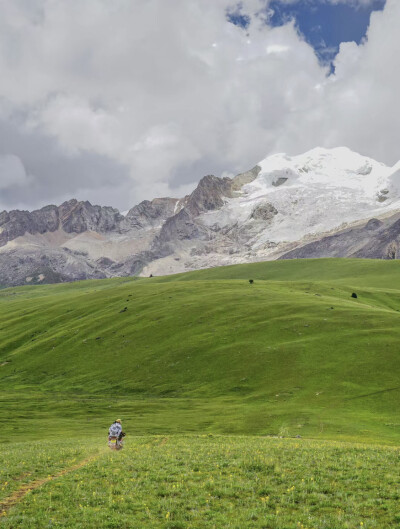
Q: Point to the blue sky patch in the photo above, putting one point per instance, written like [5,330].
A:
[238,18]
[323,25]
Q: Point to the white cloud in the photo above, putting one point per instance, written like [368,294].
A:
[276,48]
[171,91]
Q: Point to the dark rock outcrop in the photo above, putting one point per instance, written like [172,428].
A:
[181,227]
[377,239]
[151,213]
[264,211]
[373,224]
[43,266]
[77,217]
[209,195]
[71,216]
[16,223]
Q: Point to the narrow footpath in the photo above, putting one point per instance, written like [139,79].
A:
[18,495]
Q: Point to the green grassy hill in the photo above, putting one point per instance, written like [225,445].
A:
[291,354]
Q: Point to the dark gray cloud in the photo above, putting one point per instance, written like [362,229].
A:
[51,175]
[120,101]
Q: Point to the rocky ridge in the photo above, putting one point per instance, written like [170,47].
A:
[374,239]
[325,203]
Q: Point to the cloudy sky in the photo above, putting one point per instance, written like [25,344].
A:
[118,101]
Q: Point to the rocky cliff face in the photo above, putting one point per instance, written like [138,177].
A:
[16,223]
[209,195]
[325,203]
[78,217]
[152,213]
[71,217]
[176,231]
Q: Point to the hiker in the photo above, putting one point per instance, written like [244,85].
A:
[115,430]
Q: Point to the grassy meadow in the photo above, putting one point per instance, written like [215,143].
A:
[245,404]
[184,482]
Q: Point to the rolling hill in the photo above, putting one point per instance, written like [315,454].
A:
[291,354]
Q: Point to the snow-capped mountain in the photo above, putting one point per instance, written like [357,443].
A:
[283,207]
[313,193]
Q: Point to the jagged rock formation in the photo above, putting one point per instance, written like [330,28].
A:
[325,203]
[209,195]
[78,241]
[152,213]
[78,217]
[71,217]
[178,229]
[14,224]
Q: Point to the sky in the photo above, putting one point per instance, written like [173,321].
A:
[325,25]
[117,102]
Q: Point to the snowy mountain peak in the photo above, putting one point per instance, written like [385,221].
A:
[339,167]
[314,192]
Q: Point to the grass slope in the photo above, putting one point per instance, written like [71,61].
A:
[206,351]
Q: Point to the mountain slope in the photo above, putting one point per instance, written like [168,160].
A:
[376,239]
[281,205]
[293,350]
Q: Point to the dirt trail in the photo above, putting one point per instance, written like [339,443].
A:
[19,494]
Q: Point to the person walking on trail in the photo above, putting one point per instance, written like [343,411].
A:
[115,430]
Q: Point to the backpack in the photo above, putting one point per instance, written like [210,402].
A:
[114,430]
